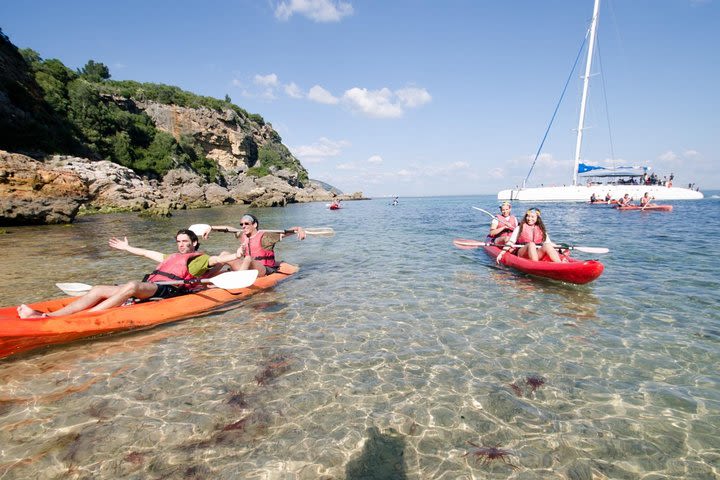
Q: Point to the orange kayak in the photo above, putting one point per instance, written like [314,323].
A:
[19,335]
[649,208]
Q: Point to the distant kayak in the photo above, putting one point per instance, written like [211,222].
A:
[19,335]
[572,271]
[603,202]
[334,206]
[649,208]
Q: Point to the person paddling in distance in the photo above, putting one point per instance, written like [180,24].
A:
[535,241]
[502,225]
[646,199]
[624,201]
[257,247]
[187,264]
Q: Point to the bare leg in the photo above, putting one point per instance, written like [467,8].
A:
[247,263]
[96,295]
[140,290]
[529,251]
[549,250]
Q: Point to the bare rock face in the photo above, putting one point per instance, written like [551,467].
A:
[33,193]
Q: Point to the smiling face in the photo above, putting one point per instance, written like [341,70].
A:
[531,217]
[505,210]
[248,225]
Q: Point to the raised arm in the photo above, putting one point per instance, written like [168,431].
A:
[123,244]
[295,231]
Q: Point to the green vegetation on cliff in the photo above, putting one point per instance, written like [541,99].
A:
[82,112]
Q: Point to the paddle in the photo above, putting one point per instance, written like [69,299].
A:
[493,216]
[201,228]
[647,204]
[467,244]
[226,281]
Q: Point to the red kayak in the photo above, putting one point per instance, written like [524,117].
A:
[648,208]
[603,202]
[571,271]
[335,207]
[19,335]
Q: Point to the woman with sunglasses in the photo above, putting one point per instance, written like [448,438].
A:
[257,247]
[532,238]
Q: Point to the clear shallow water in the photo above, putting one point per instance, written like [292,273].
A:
[384,356]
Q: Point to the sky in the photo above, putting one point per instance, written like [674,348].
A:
[422,97]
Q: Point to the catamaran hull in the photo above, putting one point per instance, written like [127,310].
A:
[583,193]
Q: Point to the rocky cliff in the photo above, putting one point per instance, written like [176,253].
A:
[249,161]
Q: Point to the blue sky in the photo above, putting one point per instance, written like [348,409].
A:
[421,97]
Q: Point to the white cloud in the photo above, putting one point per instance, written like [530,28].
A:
[692,154]
[293,91]
[320,95]
[496,172]
[385,103]
[270,80]
[375,159]
[322,149]
[316,10]
[413,97]
[377,103]
[668,156]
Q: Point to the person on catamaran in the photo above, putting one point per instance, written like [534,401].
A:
[532,239]
[503,224]
[257,247]
[625,200]
[646,199]
[187,264]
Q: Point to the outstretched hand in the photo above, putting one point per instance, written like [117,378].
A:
[115,242]
[300,233]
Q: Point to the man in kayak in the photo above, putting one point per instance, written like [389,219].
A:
[608,197]
[503,224]
[257,247]
[625,200]
[186,264]
[646,199]
[533,237]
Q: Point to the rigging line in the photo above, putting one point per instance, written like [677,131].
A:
[607,110]
[567,82]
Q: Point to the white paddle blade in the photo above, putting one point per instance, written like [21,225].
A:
[200,229]
[74,289]
[468,244]
[320,232]
[484,211]
[592,249]
[233,280]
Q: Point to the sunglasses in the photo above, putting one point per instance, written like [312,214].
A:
[246,223]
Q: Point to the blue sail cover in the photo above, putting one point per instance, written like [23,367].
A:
[594,171]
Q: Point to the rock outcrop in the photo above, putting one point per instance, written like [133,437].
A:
[56,189]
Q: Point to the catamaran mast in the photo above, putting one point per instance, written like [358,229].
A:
[586,86]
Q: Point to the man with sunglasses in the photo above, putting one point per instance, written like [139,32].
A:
[257,247]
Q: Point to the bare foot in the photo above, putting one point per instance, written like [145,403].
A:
[26,312]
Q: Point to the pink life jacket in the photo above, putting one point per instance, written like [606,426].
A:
[253,248]
[510,223]
[174,267]
[531,234]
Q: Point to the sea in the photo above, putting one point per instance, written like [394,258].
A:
[391,354]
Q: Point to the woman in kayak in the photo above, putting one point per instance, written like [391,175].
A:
[503,224]
[186,264]
[257,247]
[533,237]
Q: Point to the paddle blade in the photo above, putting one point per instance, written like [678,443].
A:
[199,229]
[320,232]
[233,280]
[468,244]
[591,249]
[74,289]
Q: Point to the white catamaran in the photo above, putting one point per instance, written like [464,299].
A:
[599,181]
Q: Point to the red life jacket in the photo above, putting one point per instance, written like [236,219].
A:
[174,267]
[531,234]
[253,248]
[510,223]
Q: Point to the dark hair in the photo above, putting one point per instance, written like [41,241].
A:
[191,234]
[538,222]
